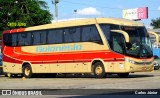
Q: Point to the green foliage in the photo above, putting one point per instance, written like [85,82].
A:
[23,13]
[155,23]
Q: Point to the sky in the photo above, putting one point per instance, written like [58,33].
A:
[103,8]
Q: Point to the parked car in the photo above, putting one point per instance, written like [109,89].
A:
[156,62]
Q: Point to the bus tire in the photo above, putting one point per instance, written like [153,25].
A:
[27,71]
[98,70]
[123,75]
[7,75]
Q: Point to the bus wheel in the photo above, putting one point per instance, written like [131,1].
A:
[27,71]
[123,75]
[98,70]
[7,75]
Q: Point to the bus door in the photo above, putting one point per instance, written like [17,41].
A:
[117,45]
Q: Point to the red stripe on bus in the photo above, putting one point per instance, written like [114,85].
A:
[11,60]
[6,31]
[14,30]
[65,56]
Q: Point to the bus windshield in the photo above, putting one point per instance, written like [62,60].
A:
[139,45]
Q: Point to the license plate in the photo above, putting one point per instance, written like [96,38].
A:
[144,68]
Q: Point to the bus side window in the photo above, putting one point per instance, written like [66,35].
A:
[55,36]
[90,34]
[72,34]
[14,39]
[20,41]
[106,30]
[39,37]
[23,39]
[59,36]
[51,36]
[28,39]
[67,36]
[7,39]
[94,34]
[85,34]
[72,31]
[75,34]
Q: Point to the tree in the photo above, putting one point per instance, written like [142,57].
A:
[155,23]
[23,13]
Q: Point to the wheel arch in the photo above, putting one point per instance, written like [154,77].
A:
[97,60]
[25,62]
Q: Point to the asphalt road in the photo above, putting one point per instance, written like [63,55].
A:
[84,84]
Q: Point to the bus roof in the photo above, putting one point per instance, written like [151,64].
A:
[118,21]
[86,21]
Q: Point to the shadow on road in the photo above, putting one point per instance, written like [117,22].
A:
[114,96]
[115,93]
[46,76]
[103,93]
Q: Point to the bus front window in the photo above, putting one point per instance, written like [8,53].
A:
[139,45]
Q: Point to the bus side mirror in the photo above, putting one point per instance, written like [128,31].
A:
[125,34]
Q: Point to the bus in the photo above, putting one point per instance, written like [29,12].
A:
[96,46]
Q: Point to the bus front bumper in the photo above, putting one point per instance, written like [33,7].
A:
[132,67]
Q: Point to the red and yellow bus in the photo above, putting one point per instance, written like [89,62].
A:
[98,46]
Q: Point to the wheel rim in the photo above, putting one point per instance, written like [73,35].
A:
[27,71]
[99,70]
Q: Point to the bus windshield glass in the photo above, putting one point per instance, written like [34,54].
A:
[139,44]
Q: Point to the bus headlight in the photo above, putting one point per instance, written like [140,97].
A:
[128,60]
[132,62]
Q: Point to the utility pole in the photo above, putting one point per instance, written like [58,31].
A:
[55,2]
